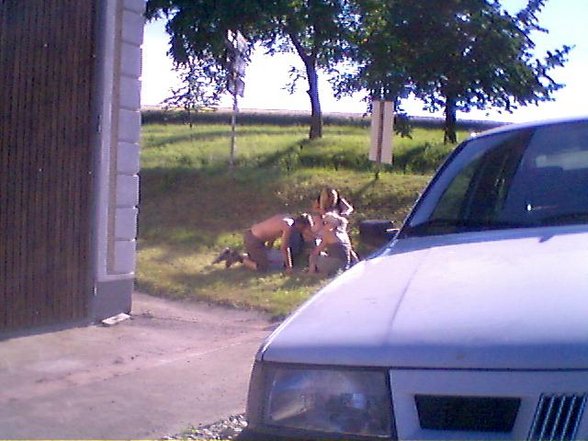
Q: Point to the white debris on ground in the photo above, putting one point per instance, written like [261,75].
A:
[226,429]
[116,319]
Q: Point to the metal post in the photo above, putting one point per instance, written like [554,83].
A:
[233,131]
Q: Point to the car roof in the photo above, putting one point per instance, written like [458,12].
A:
[529,125]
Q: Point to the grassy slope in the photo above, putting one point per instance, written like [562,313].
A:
[191,206]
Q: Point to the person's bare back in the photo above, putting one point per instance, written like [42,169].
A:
[259,242]
[272,228]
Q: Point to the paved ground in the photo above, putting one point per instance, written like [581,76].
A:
[174,364]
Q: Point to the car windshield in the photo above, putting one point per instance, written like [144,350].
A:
[517,179]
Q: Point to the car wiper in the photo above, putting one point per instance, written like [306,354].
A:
[448,226]
[579,217]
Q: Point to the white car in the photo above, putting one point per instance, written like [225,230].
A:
[472,323]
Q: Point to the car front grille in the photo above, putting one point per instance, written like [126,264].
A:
[455,413]
[483,404]
[557,417]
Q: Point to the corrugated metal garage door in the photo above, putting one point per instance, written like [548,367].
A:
[46,84]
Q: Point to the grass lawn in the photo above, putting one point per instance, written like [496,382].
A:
[192,205]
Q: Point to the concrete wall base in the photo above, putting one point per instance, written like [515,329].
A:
[111,298]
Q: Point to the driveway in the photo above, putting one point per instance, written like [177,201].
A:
[172,365]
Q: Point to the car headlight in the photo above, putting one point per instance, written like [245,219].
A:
[328,400]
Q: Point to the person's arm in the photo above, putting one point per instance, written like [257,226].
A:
[317,224]
[345,207]
[285,248]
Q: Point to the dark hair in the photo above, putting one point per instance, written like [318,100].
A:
[304,220]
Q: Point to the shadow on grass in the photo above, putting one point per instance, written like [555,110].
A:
[194,211]
[277,158]
[166,141]
[364,189]
[195,206]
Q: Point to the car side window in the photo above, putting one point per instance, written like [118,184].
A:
[524,178]
[477,193]
[552,187]
[452,200]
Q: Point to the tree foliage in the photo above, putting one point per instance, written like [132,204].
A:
[313,29]
[454,55]
[481,57]
[198,28]
[377,64]
[200,89]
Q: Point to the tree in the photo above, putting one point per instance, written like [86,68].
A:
[473,54]
[317,31]
[197,91]
[314,29]
[453,55]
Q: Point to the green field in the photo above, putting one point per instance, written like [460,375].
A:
[192,205]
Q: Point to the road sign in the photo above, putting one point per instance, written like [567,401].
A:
[238,48]
[236,85]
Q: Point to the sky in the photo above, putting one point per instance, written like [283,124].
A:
[266,75]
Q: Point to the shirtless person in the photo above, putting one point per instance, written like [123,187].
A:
[260,238]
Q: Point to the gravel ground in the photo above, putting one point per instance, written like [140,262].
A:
[226,429]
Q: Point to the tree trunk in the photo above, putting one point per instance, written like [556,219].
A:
[450,121]
[316,116]
[309,60]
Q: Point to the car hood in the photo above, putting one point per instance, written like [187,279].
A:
[498,300]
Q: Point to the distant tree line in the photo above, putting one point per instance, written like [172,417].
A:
[454,55]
